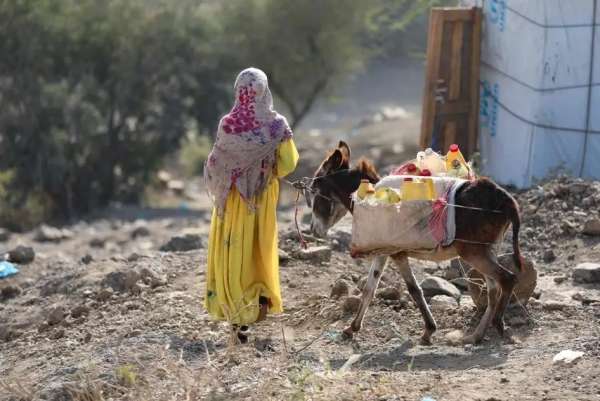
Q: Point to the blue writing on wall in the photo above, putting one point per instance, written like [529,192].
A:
[488,107]
[496,13]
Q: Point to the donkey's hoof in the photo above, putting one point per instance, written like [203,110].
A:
[471,339]
[347,334]
[425,340]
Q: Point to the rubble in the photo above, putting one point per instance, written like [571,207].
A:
[592,227]
[389,294]
[22,255]
[433,286]
[56,315]
[587,273]
[121,281]
[556,210]
[186,243]
[319,254]
[9,292]
[52,234]
[340,288]
[351,304]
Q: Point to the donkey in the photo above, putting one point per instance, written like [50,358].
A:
[476,232]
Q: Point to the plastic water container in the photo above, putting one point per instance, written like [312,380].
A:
[433,162]
[387,195]
[454,154]
[458,170]
[363,188]
[417,189]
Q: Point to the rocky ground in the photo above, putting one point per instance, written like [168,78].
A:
[111,309]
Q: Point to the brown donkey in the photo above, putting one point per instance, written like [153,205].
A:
[476,232]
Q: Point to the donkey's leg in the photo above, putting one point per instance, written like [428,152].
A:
[483,260]
[415,291]
[507,282]
[375,273]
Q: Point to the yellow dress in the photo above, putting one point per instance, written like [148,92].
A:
[243,257]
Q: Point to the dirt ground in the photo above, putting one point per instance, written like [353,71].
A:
[106,315]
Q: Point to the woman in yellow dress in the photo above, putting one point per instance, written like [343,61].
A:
[253,148]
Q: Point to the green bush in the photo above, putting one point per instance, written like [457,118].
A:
[193,154]
[20,213]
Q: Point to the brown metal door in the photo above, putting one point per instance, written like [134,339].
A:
[451,95]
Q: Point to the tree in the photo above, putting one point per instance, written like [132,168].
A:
[304,46]
[95,93]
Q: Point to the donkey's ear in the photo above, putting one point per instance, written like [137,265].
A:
[334,161]
[345,149]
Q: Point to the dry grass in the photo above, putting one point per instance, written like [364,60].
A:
[17,390]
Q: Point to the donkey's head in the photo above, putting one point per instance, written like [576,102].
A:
[332,187]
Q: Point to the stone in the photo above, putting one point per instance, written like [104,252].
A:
[104,294]
[554,306]
[98,243]
[438,286]
[461,283]
[80,311]
[9,292]
[136,289]
[284,257]
[578,187]
[318,254]
[341,288]
[5,332]
[186,243]
[588,202]
[586,298]
[52,234]
[587,273]
[56,315]
[57,334]
[454,337]
[560,279]
[443,302]
[152,278]
[87,259]
[342,240]
[134,257]
[592,227]
[22,255]
[121,281]
[4,235]
[140,231]
[389,294]
[567,357]
[351,304]
[523,291]
[549,256]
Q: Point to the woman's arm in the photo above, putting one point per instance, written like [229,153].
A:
[287,158]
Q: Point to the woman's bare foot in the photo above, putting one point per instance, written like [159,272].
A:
[262,313]
[263,303]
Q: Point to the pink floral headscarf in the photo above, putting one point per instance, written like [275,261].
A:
[244,152]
